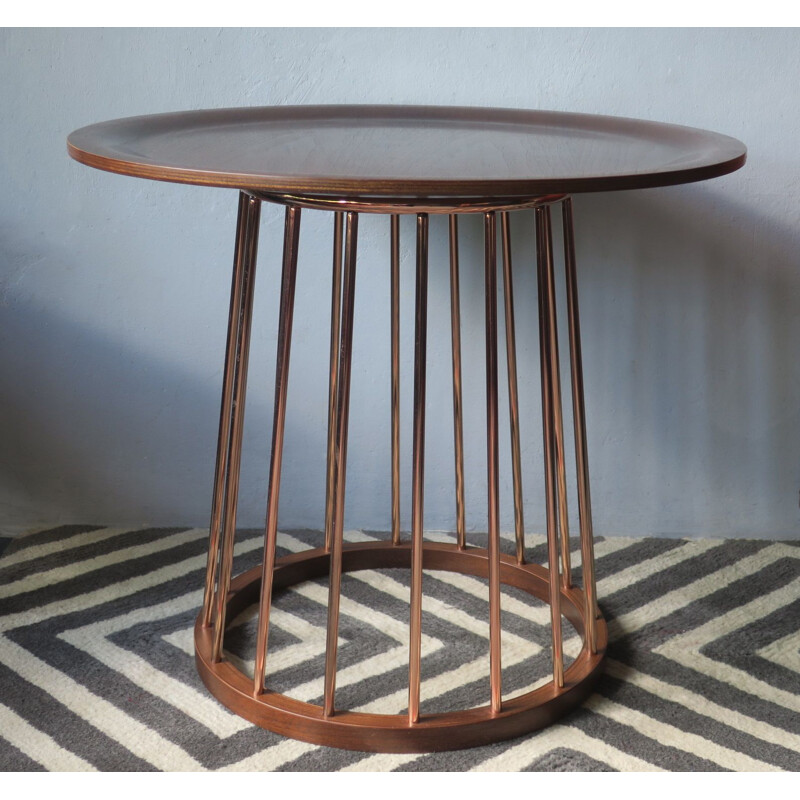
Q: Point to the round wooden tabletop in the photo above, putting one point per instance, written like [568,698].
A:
[409,151]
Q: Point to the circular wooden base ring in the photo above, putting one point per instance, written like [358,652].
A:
[392,733]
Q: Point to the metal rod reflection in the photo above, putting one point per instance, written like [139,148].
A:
[555,388]
[545,355]
[513,401]
[579,416]
[395,325]
[418,478]
[458,425]
[285,316]
[241,356]
[336,306]
[493,461]
[342,421]
[226,405]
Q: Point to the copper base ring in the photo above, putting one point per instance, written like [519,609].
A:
[392,733]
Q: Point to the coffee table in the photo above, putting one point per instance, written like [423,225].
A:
[395,160]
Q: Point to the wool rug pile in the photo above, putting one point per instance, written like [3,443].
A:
[97,668]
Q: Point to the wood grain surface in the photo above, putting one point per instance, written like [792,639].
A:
[412,151]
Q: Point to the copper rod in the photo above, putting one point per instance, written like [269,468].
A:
[493,460]
[558,422]
[458,425]
[405,205]
[513,401]
[418,479]
[285,317]
[395,399]
[342,421]
[545,355]
[226,406]
[241,358]
[336,305]
[579,416]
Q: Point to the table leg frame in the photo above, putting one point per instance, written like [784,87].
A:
[225,597]
[234,385]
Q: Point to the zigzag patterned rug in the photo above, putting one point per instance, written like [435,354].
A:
[97,670]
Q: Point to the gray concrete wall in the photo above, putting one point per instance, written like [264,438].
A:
[113,291]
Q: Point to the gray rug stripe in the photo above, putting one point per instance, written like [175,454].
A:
[739,648]
[169,722]
[636,553]
[57,534]
[691,615]
[562,759]
[14,760]
[679,575]
[111,575]
[44,563]
[686,719]
[364,640]
[699,612]
[629,739]
[722,693]
[147,641]
[623,737]
[100,578]
[38,707]
[106,684]
[184,583]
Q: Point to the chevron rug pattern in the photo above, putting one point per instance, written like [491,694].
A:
[97,669]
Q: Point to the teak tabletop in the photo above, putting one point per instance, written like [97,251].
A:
[413,151]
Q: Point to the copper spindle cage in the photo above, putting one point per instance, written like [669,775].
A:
[226,597]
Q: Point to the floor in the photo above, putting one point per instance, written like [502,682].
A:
[97,668]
